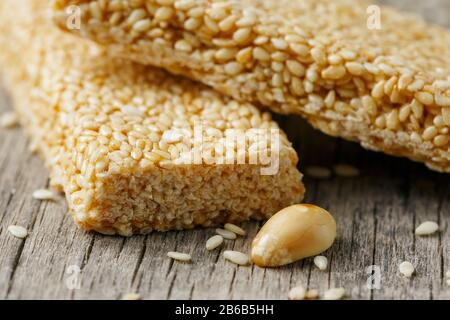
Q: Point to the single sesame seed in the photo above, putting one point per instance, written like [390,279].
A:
[233,68]
[429,133]
[404,113]
[184,4]
[378,90]
[236,257]
[319,56]
[318,172]
[406,269]
[234,228]
[183,45]
[441,140]
[417,85]
[192,24]
[214,242]
[217,12]
[334,72]
[321,262]
[142,25]
[295,68]
[135,15]
[297,293]
[8,120]
[241,36]
[18,231]
[225,54]
[172,136]
[334,294]
[425,97]
[44,194]
[335,59]
[115,18]
[345,170]
[164,13]
[442,100]
[427,228]
[260,54]
[226,234]
[244,55]
[355,68]
[417,109]
[312,294]
[247,21]
[131,296]
[280,44]
[392,120]
[179,256]
[228,23]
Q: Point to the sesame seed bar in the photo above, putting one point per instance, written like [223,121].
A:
[107,131]
[362,72]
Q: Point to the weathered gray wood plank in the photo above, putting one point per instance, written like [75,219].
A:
[376,215]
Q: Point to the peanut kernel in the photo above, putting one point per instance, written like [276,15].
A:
[294,233]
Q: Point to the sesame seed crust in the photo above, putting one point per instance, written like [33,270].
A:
[99,124]
[388,89]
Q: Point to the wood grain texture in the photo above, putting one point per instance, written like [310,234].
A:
[376,215]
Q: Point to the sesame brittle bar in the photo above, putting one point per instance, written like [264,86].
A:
[366,73]
[116,136]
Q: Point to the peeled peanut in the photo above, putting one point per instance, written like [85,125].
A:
[294,233]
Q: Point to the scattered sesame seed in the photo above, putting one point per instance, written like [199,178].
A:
[427,228]
[447,274]
[214,242]
[297,293]
[18,231]
[185,257]
[321,262]
[346,170]
[226,234]
[131,296]
[406,269]
[334,294]
[44,194]
[236,257]
[8,120]
[312,294]
[318,172]
[235,229]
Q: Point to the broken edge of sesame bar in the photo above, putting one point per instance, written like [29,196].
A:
[385,86]
[99,124]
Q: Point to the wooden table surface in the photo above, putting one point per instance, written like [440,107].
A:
[376,214]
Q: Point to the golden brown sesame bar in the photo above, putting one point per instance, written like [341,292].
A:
[388,89]
[99,124]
